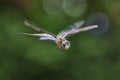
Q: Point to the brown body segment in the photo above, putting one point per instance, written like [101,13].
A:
[59,42]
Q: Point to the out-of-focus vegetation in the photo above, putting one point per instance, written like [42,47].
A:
[90,57]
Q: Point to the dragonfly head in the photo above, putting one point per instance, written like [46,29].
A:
[65,44]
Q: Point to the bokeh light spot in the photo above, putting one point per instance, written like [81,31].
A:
[53,7]
[99,19]
[74,8]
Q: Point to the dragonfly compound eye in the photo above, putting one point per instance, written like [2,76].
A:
[66,44]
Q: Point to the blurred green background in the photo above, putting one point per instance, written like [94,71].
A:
[90,57]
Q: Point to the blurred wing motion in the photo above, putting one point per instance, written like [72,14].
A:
[71,28]
[75,28]
[43,36]
[35,27]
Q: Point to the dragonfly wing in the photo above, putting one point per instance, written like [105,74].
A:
[36,27]
[43,36]
[31,25]
[47,38]
[71,28]
[75,30]
[78,24]
[80,30]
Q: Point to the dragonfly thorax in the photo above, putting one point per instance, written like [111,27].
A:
[63,43]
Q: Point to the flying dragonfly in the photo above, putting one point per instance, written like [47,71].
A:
[59,39]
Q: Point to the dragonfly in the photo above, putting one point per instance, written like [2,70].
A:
[61,38]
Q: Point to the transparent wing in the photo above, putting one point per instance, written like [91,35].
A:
[35,27]
[43,36]
[47,38]
[75,29]
[80,30]
[71,28]
[78,24]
